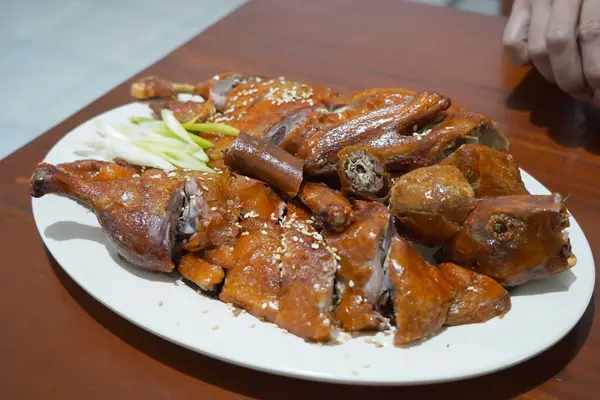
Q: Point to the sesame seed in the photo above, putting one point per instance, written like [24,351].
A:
[213,209]
[214,328]
[245,233]
[263,232]
[314,245]
[326,322]
[263,306]
[265,225]
[278,256]
[204,311]
[135,175]
[160,303]
[231,248]
[248,179]
[252,326]
[295,238]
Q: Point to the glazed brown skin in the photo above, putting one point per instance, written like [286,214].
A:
[380,128]
[421,293]
[330,207]
[253,281]
[99,171]
[308,271]
[201,272]
[262,160]
[478,298]
[185,111]
[361,257]
[490,172]
[514,239]
[429,144]
[362,174]
[138,214]
[432,202]
[256,197]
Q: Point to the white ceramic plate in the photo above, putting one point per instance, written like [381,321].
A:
[542,312]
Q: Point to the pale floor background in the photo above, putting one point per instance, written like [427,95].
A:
[60,55]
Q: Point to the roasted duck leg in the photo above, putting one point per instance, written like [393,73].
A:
[139,215]
[514,239]
[361,249]
[490,172]
[432,203]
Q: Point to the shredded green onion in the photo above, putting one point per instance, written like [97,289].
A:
[212,127]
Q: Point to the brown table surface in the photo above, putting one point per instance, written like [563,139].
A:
[58,342]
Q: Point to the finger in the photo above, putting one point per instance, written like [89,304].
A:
[515,32]
[589,42]
[563,48]
[536,42]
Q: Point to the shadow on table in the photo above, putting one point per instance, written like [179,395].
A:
[570,122]
[500,385]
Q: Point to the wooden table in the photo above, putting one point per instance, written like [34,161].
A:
[58,342]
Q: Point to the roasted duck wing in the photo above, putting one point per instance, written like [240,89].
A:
[361,249]
[478,297]
[514,239]
[490,172]
[432,202]
[421,294]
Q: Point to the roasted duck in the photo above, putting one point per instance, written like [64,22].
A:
[300,224]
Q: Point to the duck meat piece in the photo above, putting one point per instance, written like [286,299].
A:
[321,151]
[185,111]
[262,160]
[421,294]
[257,199]
[362,174]
[253,282]
[432,202]
[307,270]
[361,249]
[206,275]
[139,215]
[478,297]
[331,209]
[514,239]
[491,173]
[429,144]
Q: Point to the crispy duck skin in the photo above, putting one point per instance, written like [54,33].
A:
[490,172]
[421,294]
[203,273]
[308,271]
[386,124]
[514,239]
[262,160]
[254,282]
[432,202]
[99,171]
[331,209]
[185,111]
[257,198]
[361,249]
[478,298]
[362,174]
[138,215]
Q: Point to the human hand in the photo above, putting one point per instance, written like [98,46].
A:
[562,40]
